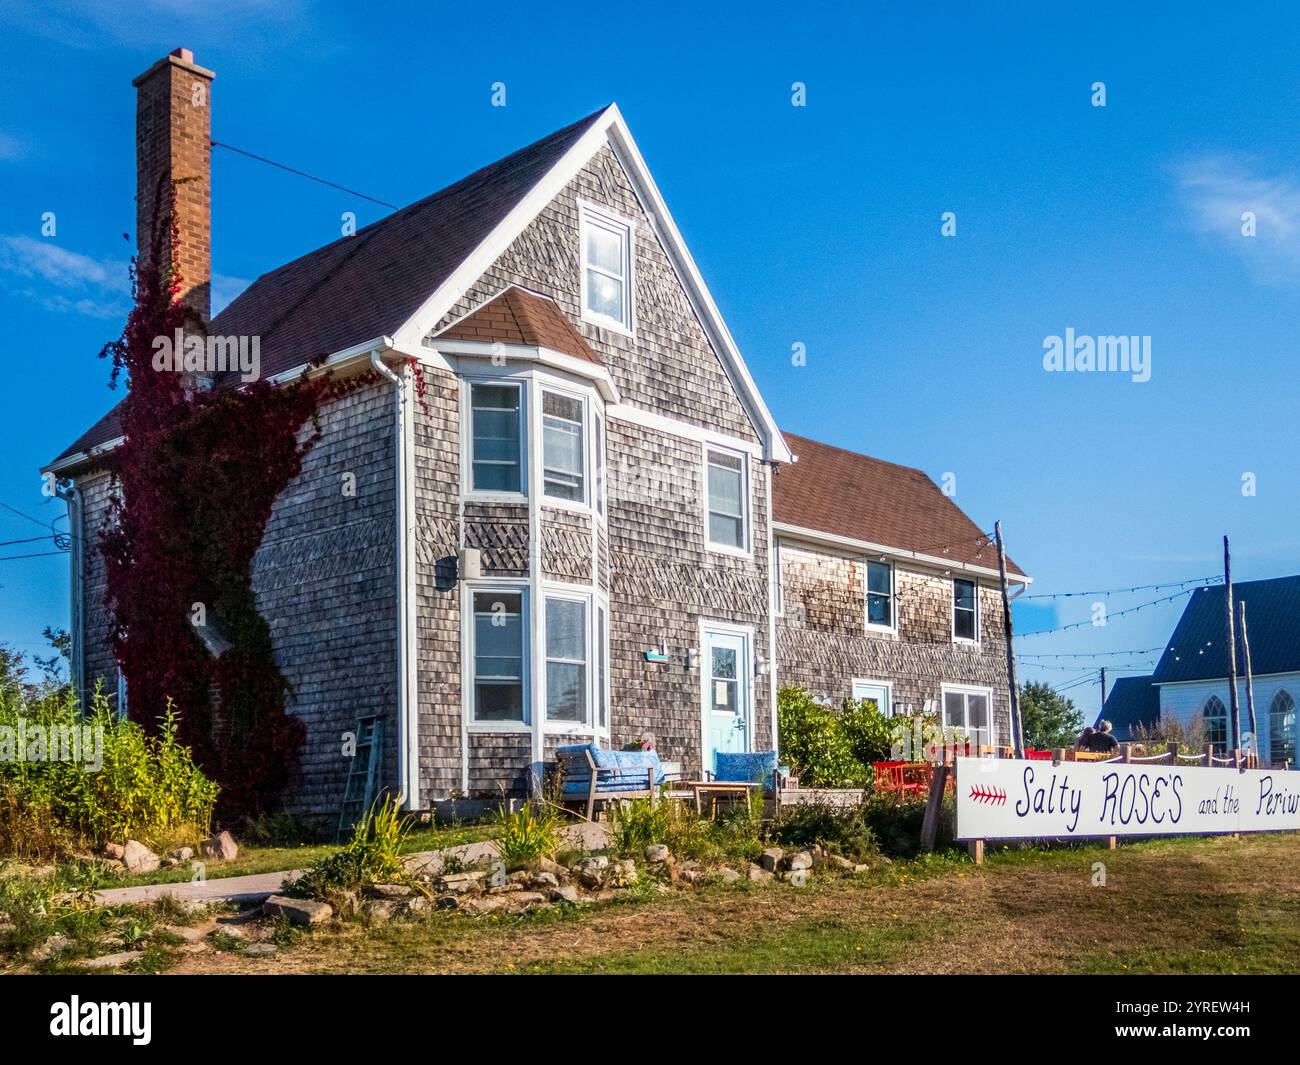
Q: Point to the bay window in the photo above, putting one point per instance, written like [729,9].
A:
[496,431]
[564,459]
[498,655]
[566,661]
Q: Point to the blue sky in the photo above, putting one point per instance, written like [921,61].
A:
[817,225]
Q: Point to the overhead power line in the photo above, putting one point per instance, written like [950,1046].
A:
[304,174]
[1212,579]
[1112,614]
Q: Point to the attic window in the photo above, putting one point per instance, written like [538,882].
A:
[606,268]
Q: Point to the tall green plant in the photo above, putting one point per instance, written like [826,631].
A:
[524,835]
[815,743]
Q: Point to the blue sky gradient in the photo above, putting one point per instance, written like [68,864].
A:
[817,225]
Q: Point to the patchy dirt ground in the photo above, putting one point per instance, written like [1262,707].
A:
[1213,905]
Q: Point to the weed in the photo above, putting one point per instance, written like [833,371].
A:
[524,835]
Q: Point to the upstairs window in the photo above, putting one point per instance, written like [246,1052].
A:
[965,611]
[1281,730]
[564,456]
[496,413]
[725,473]
[606,269]
[880,595]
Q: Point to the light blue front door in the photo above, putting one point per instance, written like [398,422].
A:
[726,693]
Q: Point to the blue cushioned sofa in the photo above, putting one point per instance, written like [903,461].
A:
[591,774]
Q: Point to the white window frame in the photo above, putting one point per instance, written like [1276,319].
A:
[589,215]
[967,690]
[588,445]
[746,515]
[892,627]
[887,685]
[468,654]
[468,490]
[953,607]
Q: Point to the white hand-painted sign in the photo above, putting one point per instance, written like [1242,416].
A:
[1010,798]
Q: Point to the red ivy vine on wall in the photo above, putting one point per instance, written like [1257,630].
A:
[197,476]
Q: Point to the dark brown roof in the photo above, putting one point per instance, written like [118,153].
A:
[369,284]
[518,316]
[846,494]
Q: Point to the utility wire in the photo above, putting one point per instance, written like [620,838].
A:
[303,173]
[1116,591]
[1112,614]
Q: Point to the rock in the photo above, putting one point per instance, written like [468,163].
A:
[170,863]
[657,852]
[301,912]
[567,893]
[415,905]
[461,883]
[543,881]
[862,868]
[264,950]
[110,961]
[803,860]
[771,858]
[184,933]
[692,876]
[181,854]
[545,865]
[114,852]
[138,858]
[220,847]
[519,876]
[624,873]
[528,898]
[52,946]
[447,902]
[389,891]
[841,863]
[378,911]
[728,876]
[483,904]
[591,871]
[760,875]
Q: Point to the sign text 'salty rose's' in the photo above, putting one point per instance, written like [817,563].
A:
[1009,798]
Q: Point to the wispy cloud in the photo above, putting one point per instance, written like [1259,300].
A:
[1218,190]
[225,289]
[65,281]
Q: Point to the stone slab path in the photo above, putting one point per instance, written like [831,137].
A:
[256,888]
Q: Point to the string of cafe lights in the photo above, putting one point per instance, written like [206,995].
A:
[1120,591]
[1109,615]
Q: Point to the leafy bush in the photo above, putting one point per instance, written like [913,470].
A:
[1156,737]
[636,823]
[896,823]
[372,856]
[816,744]
[842,831]
[137,786]
[869,732]
[526,834]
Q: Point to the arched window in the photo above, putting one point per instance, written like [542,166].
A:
[1281,729]
[1216,724]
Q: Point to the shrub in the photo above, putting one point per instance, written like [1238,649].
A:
[896,823]
[842,831]
[526,834]
[372,856]
[1190,736]
[636,823]
[145,787]
[869,732]
[815,743]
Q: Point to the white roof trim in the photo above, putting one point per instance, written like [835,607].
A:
[609,126]
[816,536]
[559,360]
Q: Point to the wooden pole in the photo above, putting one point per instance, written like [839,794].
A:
[1232,647]
[934,806]
[1103,694]
[1250,682]
[1017,732]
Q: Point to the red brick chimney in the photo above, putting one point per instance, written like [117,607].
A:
[172,142]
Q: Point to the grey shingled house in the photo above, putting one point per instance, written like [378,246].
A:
[568,538]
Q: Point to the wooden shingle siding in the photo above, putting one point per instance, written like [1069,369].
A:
[823,643]
[325,580]
[98,663]
[500,532]
[437,606]
[669,366]
[566,546]
[663,582]
[499,764]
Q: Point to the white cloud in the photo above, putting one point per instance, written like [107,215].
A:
[1217,190]
[67,281]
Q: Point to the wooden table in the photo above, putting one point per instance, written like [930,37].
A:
[715,790]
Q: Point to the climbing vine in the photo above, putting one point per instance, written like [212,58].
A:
[197,475]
